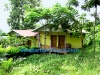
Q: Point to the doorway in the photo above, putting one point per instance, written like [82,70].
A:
[61,41]
[54,41]
[29,43]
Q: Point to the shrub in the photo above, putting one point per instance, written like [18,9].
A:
[2,50]
[7,64]
[12,50]
[19,47]
[0,46]
[2,72]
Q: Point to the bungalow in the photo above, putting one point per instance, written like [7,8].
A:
[57,39]
[28,34]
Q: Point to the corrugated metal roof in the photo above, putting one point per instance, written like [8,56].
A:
[25,33]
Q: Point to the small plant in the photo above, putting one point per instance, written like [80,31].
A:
[7,64]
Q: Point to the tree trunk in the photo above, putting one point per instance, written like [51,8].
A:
[82,40]
[50,40]
[94,29]
[45,37]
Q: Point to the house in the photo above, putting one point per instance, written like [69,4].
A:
[57,38]
[28,34]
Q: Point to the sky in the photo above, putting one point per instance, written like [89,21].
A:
[5,14]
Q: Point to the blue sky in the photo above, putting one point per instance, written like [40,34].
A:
[5,14]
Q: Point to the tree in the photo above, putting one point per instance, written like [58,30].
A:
[86,6]
[64,16]
[2,33]
[80,20]
[97,18]
[84,24]
[17,13]
[73,2]
[32,18]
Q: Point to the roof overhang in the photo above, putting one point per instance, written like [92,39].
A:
[24,33]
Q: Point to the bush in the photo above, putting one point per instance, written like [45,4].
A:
[12,50]
[19,47]
[7,64]
[2,72]
[0,46]
[2,50]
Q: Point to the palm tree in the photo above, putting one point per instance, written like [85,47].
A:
[86,6]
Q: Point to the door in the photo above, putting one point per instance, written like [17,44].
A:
[29,43]
[61,41]
[53,41]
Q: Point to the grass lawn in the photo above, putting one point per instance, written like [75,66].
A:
[56,64]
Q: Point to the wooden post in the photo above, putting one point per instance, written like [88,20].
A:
[44,39]
[65,40]
[44,36]
[38,40]
[50,41]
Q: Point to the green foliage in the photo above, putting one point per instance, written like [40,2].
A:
[2,33]
[6,65]
[56,16]
[16,18]
[73,2]
[88,40]
[89,37]
[12,50]
[32,17]
[97,34]
[0,46]
[51,64]
[64,16]
[13,41]
[90,4]
[4,42]
[2,50]
[2,72]
[87,6]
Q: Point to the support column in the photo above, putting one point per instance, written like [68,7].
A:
[50,42]
[38,39]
